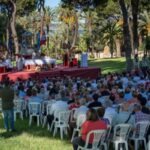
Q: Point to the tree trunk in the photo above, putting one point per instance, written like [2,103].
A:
[111,47]
[75,31]
[135,8]
[126,34]
[118,47]
[13,29]
[130,22]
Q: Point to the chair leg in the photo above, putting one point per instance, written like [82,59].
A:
[116,145]
[44,122]
[38,120]
[145,144]
[21,115]
[61,133]
[51,128]
[30,120]
[73,135]
[126,145]
[136,144]
[55,131]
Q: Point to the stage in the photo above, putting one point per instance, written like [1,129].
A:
[88,72]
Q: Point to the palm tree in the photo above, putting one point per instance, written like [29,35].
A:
[70,18]
[144,28]
[111,32]
[144,21]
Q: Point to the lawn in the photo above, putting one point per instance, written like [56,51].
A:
[38,138]
[109,65]
[30,138]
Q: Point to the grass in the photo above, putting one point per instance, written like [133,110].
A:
[30,138]
[38,138]
[109,65]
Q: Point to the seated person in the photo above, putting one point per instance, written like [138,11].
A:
[95,102]
[92,123]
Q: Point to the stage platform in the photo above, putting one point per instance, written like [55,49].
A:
[88,72]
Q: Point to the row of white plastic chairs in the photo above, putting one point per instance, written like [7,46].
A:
[120,138]
[61,118]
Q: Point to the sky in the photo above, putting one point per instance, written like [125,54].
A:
[52,3]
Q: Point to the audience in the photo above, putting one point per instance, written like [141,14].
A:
[118,98]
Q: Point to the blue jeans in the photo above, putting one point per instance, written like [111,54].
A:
[9,119]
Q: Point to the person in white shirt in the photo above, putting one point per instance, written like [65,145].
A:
[56,107]
[81,110]
[8,64]
[110,112]
[20,63]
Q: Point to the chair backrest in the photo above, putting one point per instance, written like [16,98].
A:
[72,114]
[18,105]
[141,128]
[97,136]
[64,117]
[108,133]
[110,117]
[81,118]
[34,108]
[122,131]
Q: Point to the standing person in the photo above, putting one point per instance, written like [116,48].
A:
[144,65]
[20,63]
[7,96]
[136,62]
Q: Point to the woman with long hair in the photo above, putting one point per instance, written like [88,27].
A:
[92,123]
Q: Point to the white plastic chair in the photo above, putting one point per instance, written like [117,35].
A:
[98,137]
[79,122]
[34,110]
[18,108]
[139,134]
[56,116]
[121,134]
[62,123]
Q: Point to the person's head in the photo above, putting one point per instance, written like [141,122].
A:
[82,101]
[142,101]
[6,83]
[95,97]
[101,112]
[34,92]
[125,107]
[121,94]
[92,115]
[137,107]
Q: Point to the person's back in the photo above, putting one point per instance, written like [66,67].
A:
[88,126]
[95,103]
[7,96]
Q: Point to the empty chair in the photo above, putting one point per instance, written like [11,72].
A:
[79,122]
[121,134]
[18,108]
[62,123]
[34,111]
[98,138]
[139,133]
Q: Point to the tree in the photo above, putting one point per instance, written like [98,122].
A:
[70,18]
[126,37]
[17,7]
[111,31]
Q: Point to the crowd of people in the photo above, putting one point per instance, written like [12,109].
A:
[111,99]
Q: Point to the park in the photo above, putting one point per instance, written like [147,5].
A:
[75,74]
